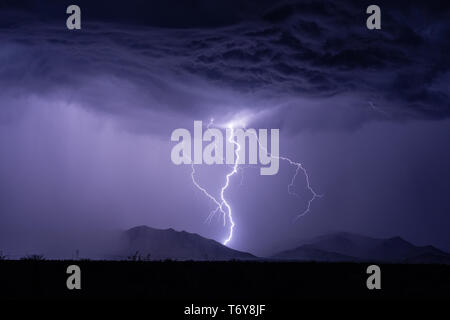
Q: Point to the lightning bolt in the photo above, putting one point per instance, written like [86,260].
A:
[229,175]
[227,212]
[223,202]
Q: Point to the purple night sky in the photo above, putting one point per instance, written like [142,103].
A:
[86,118]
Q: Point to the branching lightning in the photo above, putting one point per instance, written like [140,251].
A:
[315,195]
[298,166]
[206,193]
[223,203]
[224,207]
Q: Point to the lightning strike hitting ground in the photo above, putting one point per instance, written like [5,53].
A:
[223,202]
[229,175]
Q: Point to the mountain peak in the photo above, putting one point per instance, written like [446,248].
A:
[161,244]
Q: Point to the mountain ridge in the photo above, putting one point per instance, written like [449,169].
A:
[345,246]
[160,244]
[144,242]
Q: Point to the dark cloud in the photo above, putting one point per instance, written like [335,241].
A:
[293,51]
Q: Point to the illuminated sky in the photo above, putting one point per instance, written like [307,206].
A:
[86,118]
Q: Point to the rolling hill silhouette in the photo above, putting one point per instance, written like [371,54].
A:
[148,243]
[344,246]
[157,244]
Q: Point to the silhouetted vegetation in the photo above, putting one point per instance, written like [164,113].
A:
[138,257]
[34,257]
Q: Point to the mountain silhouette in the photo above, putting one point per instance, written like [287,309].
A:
[344,246]
[146,243]
[143,242]
[309,253]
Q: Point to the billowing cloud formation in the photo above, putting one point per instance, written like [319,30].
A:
[302,60]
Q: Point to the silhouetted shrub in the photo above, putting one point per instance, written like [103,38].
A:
[34,257]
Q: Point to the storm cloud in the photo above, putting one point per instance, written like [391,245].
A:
[297,55]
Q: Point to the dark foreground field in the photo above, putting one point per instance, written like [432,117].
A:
[225,282]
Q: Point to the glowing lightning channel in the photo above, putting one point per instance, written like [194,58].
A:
[206,193]
[298,166]
[315,195]
[229,175]
[219,206]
